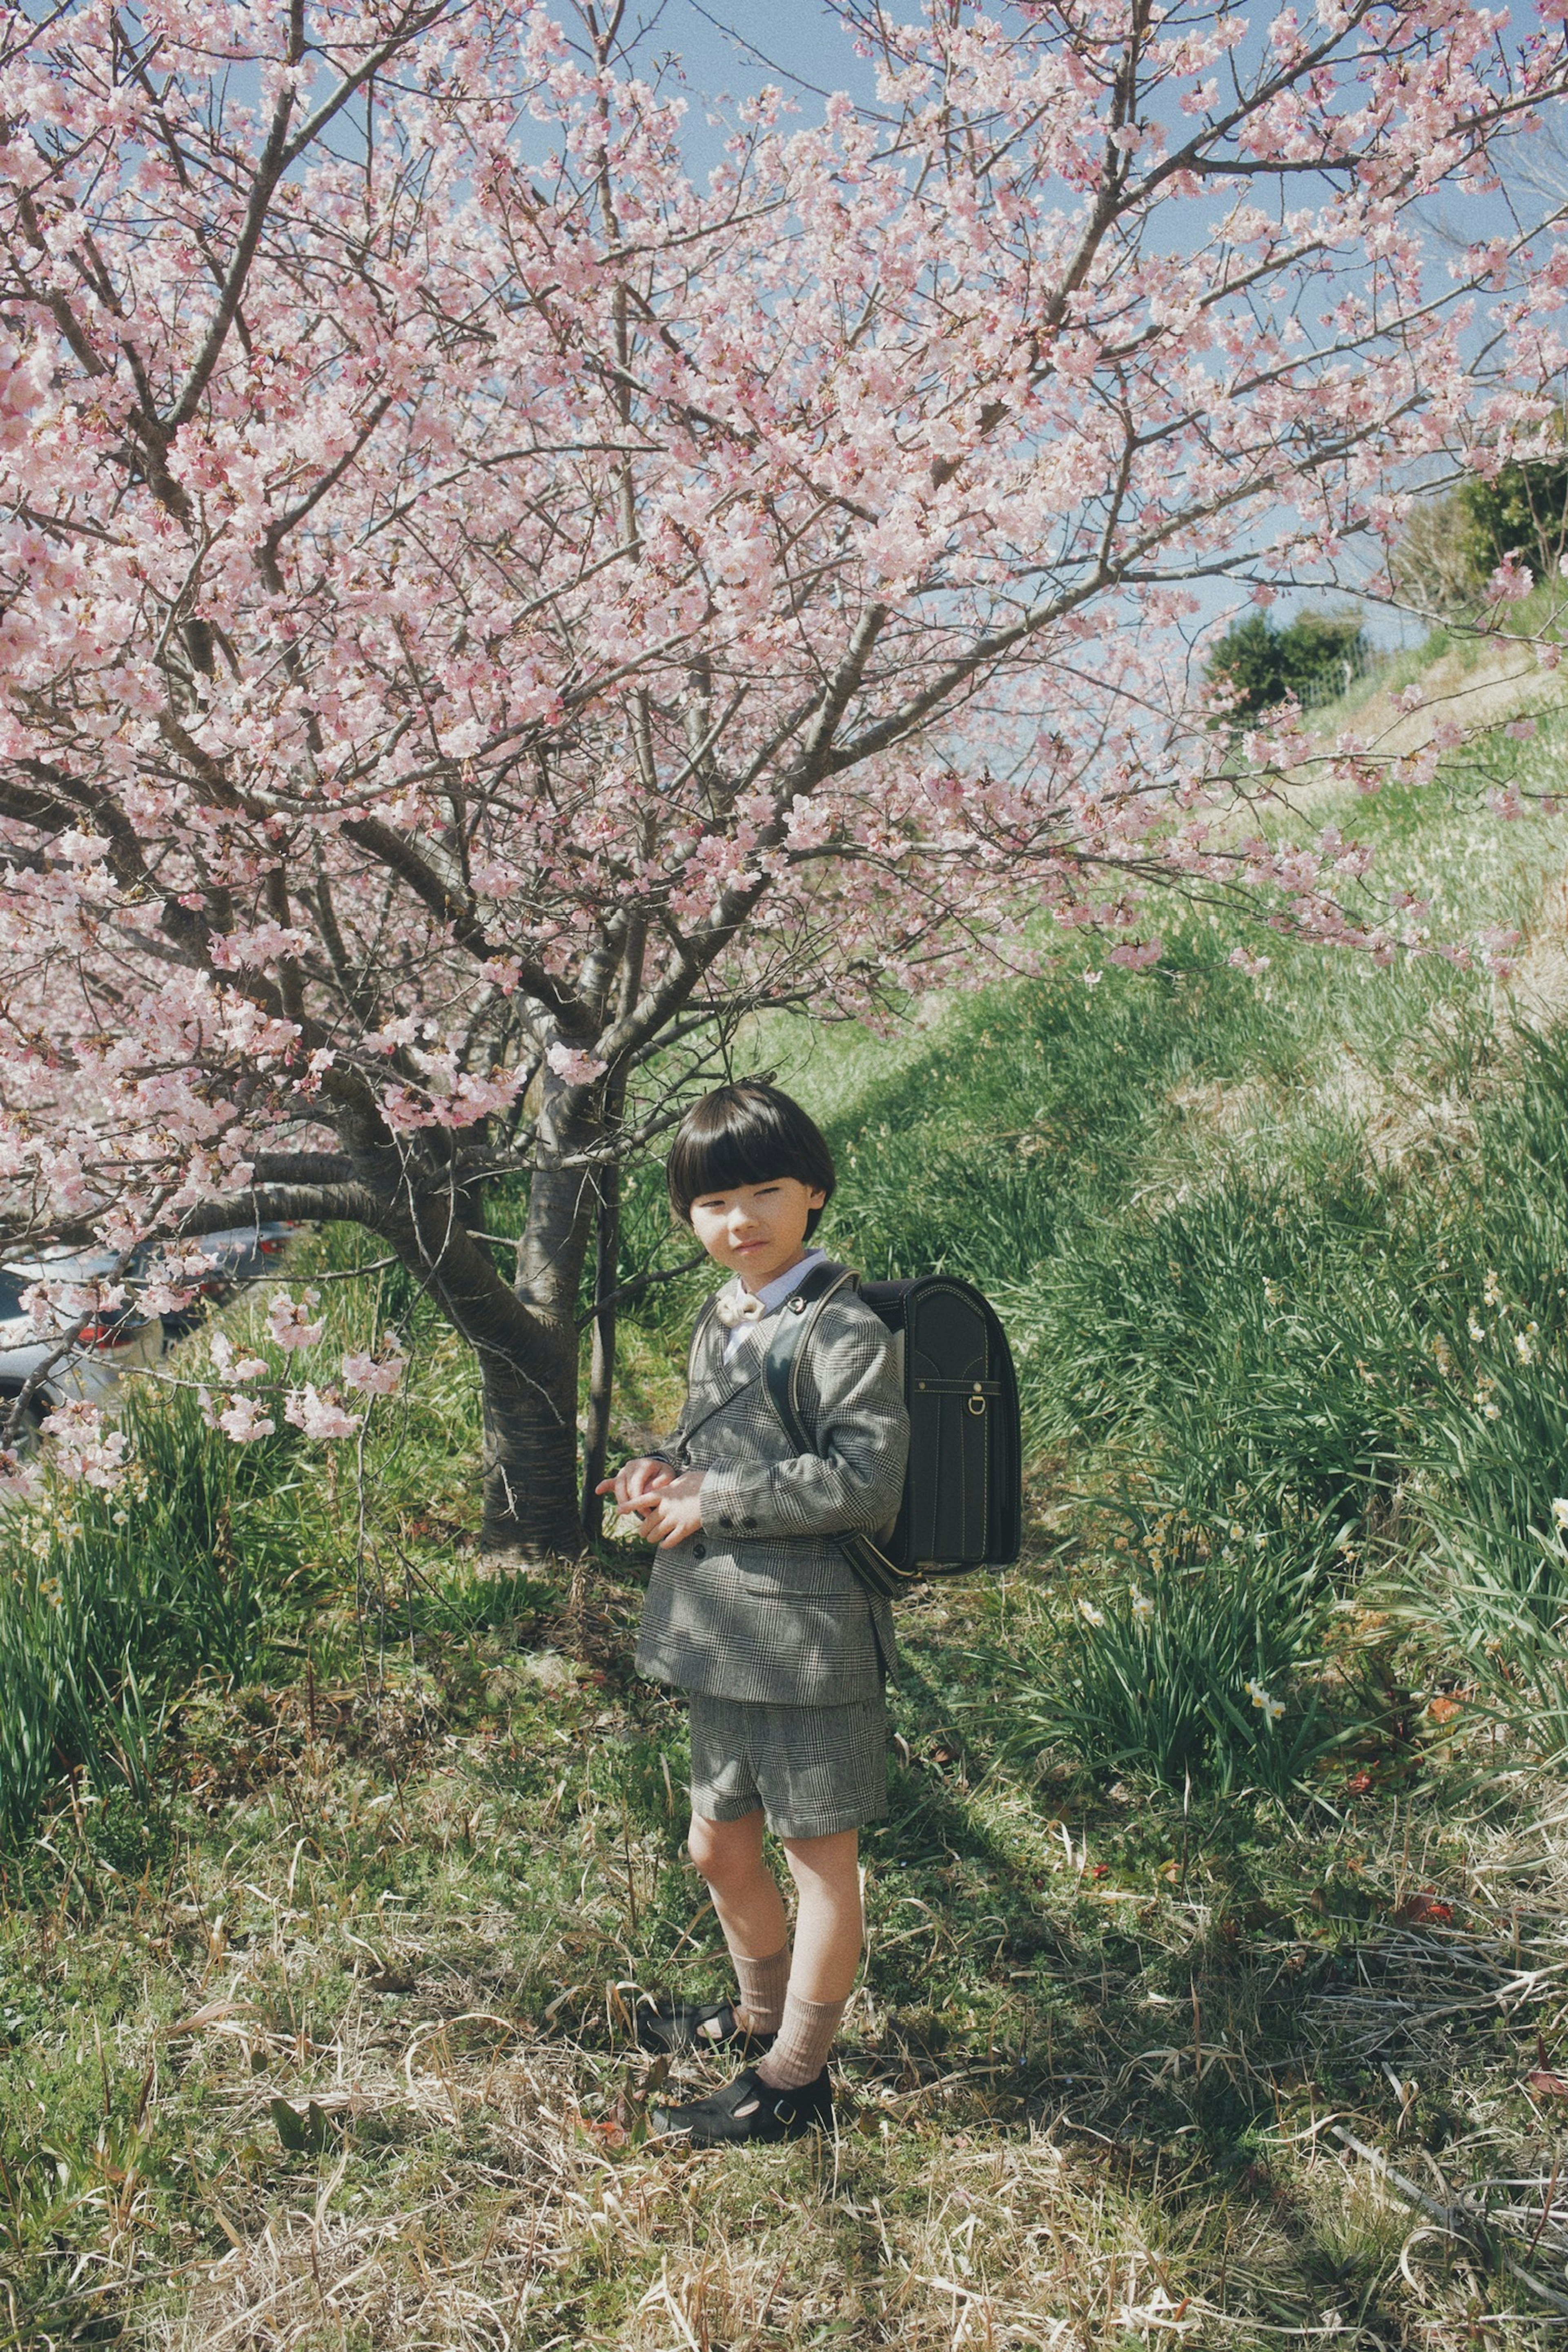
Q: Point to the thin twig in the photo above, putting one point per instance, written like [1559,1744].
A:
[638,1284]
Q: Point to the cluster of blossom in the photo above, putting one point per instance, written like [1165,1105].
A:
[18,1476]
[84,1446]
[318,1412]
[431,685]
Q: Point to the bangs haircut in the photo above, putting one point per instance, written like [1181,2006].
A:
[748,1133]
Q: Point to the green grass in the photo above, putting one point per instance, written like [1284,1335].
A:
[313,1971]
[112,1601]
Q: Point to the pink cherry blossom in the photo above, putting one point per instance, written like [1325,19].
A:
[19,1478]
[1137,955]
[485,609]
[379,1375]
[85,1449]
[289,1321]
[576,1067]
[231,1365]
[244,1420]
[164,1297]
[1498,957]
[319,1415]
[1511,580]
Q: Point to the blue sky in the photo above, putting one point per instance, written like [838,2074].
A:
[731,48]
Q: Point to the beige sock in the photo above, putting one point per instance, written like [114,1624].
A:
[800,2048]
[763,1984]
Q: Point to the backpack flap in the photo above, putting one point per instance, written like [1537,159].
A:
[962,1506]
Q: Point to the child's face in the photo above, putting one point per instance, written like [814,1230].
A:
[758,1231]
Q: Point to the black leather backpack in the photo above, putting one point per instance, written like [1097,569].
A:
[962,1501]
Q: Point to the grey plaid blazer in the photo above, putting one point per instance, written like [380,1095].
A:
[763,1605]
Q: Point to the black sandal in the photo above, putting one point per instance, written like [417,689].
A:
[750,2109]
[673,2027]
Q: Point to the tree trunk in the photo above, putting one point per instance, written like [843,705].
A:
[524,1335]
[602,1375]
[530,1448]
[531,1500]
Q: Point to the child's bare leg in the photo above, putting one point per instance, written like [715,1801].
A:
[750,1912]
[828,1931]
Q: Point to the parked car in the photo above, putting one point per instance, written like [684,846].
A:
[237,1255]
[120,1338]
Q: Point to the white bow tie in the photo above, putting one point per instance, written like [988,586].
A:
[735,1305]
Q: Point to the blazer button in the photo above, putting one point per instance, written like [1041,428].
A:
[699,1551]
[748,1523]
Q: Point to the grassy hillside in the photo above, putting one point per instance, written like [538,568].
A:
[313,1977]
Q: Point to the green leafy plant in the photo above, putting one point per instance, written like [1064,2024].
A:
[1197,1671]
[109,1604]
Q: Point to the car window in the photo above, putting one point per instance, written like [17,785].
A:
[12,1285]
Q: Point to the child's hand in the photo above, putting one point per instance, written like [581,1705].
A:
[675,1513]
[636,1483]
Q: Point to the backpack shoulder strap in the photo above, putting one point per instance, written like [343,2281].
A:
[781,1375]
[786,1348]
[704,1316]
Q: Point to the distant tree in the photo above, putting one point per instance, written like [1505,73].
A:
[1260,665]
[1454,542]
[1522,511]
[1432,566]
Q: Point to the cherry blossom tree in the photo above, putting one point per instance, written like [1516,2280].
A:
[483,612]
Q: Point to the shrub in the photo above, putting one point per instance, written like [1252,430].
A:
[1311,658]
[1522,511]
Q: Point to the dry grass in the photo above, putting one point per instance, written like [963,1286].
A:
[1482,683]
[1089,2088]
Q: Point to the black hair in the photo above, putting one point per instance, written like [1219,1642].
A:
[747,1133]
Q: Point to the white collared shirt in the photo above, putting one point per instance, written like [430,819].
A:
[772,1295]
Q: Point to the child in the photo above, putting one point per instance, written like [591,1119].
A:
[753,1611]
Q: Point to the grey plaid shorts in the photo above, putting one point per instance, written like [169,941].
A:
[812,1771]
